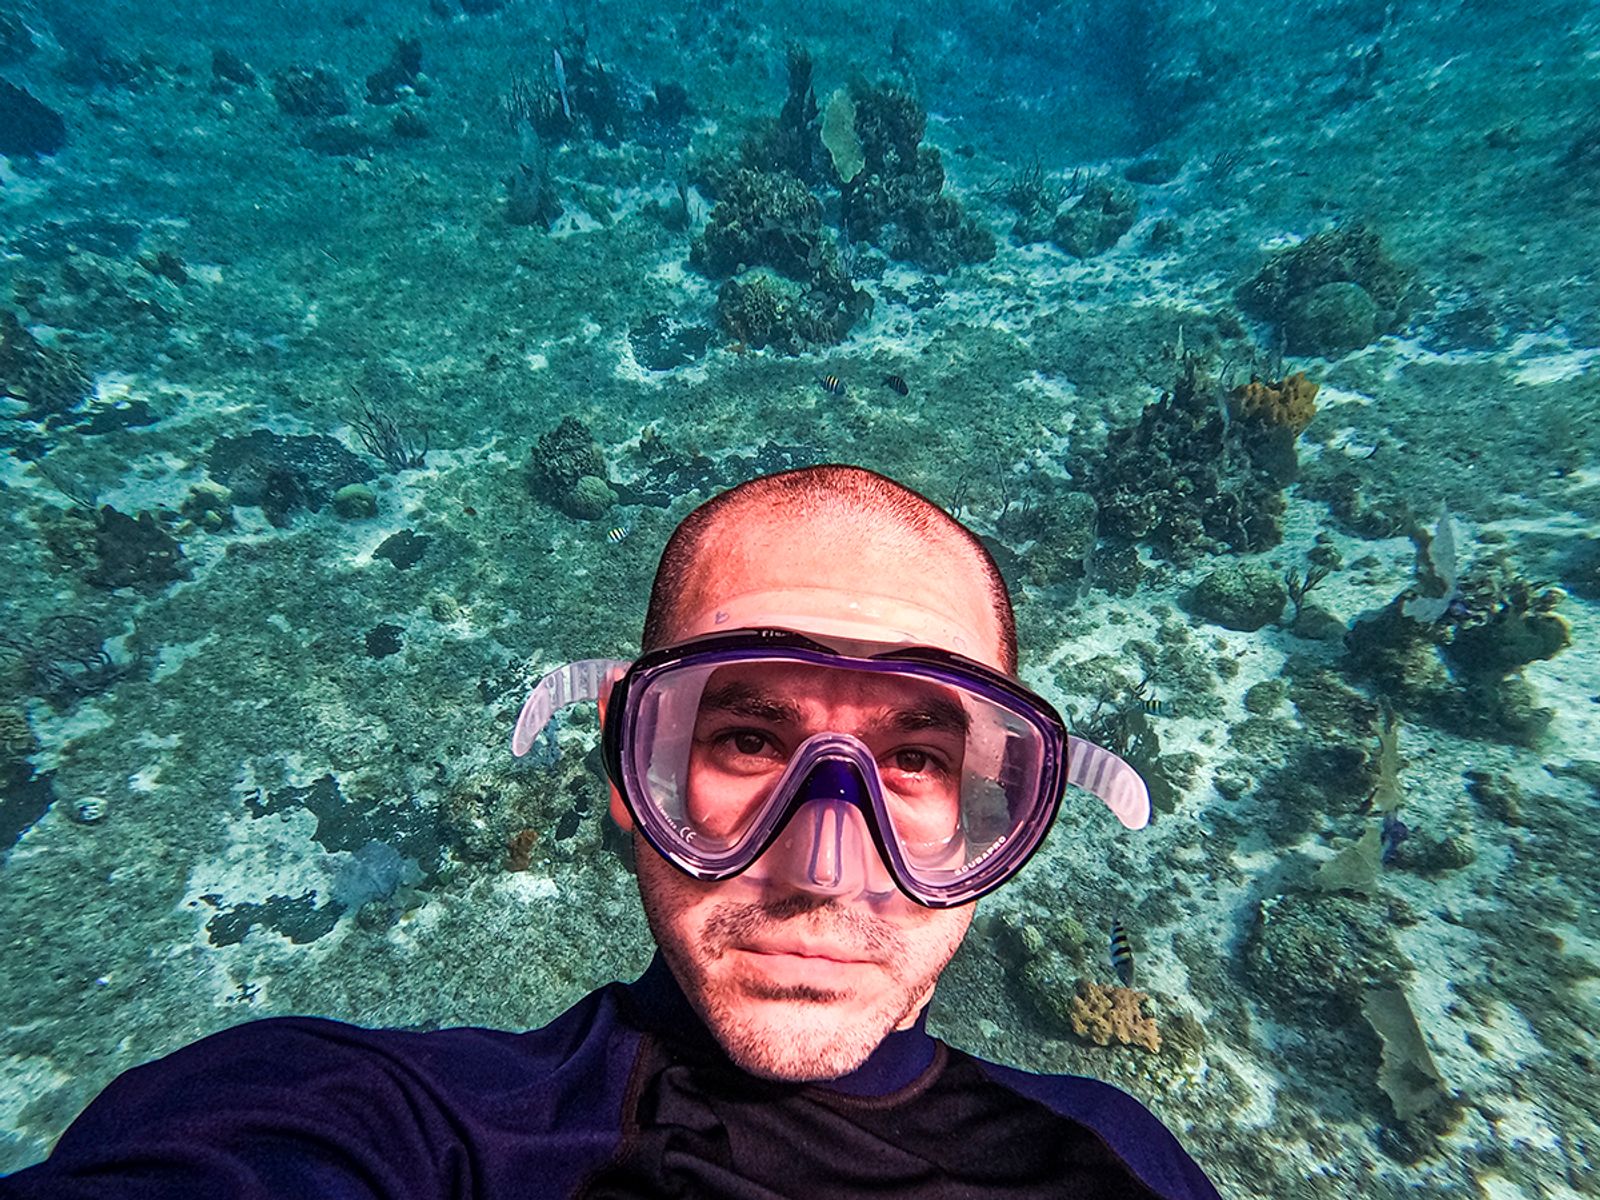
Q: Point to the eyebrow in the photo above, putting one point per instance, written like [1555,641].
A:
[940,714]
[746,700]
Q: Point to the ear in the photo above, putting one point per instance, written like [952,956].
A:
[619,810]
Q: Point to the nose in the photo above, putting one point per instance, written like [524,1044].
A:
[826,848]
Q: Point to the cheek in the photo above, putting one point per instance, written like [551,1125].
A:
[673,902]
[938,932]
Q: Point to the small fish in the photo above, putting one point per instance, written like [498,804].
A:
[896,384]
[832,384]
[1156,708]
[1394,832]
[1121,954]
[618,534]
[561,82]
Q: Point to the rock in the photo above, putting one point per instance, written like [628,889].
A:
[404,549]
[135,552]
[1333,319]
[282,473]
[1102,215]
[589,499]
[209,505]
[1242,598]
[563,456]
[309,92]
[355,502]
[28,126]
[662,342]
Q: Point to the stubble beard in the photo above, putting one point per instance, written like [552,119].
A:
[792,1033]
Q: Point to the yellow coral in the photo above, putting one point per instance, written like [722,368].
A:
[1290,402]
[1113,1014]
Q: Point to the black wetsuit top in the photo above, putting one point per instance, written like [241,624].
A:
[625,1094]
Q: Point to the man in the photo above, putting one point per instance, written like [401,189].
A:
[824,758]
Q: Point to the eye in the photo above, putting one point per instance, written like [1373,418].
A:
[913,762]
[916,762]
[740,746]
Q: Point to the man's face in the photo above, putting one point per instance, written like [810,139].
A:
[798,985]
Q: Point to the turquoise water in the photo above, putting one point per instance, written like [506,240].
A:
[358,361]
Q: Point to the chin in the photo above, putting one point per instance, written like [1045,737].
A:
[778,1016]
[798,1040]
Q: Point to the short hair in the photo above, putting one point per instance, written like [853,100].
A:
[823,490]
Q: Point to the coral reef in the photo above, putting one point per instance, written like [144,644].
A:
[47,379]
[354,502]
[63,659]
[567,470]
[1502,622]
[1458,657]
[397,79]
[208,506]
[792,143]
[381,421]
[1239,597]
[282,473]
[804,297]
[228,68]
[1036,200]
[760,308]
[1187,480]
[1289,403]
[135,552]
[763,219]
[1311,954]
[1105,1014]
[309,92]
[1334,292]
[897,200]
[1102,214]
[530,191]
[840,137]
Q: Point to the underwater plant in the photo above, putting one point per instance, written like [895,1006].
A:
[65,658]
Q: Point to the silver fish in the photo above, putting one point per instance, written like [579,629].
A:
[561,82]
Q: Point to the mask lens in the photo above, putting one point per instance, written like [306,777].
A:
[716,752]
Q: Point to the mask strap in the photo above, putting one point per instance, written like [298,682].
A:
[1101,773]
[587,679]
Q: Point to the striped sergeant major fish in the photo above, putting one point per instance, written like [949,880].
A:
[832,384]
[618,533]
[1121,954]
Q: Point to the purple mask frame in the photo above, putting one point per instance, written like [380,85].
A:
[791,791]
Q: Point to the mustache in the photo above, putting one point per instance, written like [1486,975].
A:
[733,923]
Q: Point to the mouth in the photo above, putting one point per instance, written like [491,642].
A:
[805,950]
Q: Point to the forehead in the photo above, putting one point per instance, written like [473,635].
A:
[838,579]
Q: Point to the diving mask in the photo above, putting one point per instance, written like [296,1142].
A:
[859,766]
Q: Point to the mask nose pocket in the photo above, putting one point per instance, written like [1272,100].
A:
[826,848]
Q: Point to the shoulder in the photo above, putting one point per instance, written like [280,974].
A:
[329,1067]
[293,1101]
[1132,1131]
